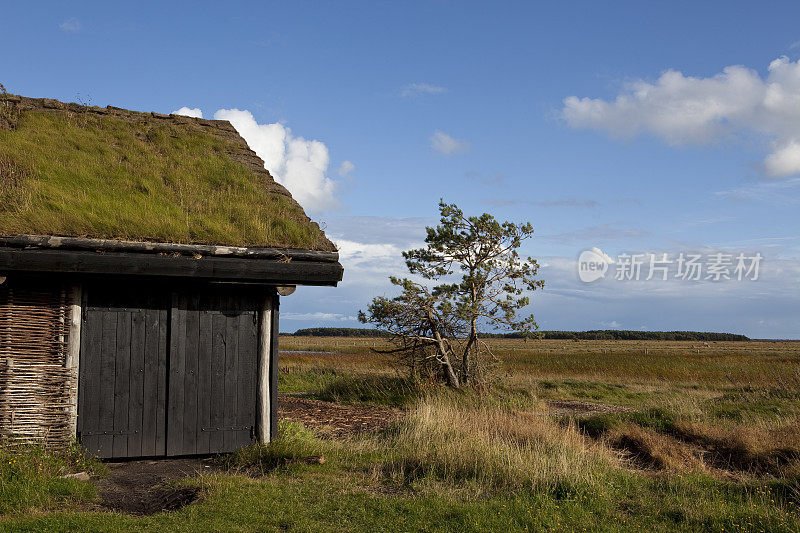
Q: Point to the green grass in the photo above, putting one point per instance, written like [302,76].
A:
[342,496]
[333,385]
[372,390]
[83,174]
[32,478]
[296,442]
[656,419]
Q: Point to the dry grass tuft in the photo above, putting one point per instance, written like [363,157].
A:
[492,448]
[652,450]
[12,174]
[747,448]
[13,177]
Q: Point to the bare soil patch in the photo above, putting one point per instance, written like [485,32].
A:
[336,420]
[145,487]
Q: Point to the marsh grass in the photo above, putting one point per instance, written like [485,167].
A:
[447,438]
[758,451]
[389,390]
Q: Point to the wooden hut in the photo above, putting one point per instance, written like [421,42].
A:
[142,258]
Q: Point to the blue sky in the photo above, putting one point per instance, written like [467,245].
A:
[625,126]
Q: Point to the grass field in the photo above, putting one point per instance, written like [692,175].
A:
[570,436]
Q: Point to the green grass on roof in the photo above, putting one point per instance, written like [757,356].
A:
[99,176]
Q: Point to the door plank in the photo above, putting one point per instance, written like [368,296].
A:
[246,400]
[136,394]
[89,379]
[231,362]
[217,396]
[204,370]
[190,375]
[108,356]
[175,384]
[161,404]
[122,383]
[150,381]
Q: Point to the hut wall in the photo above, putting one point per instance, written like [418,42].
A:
[35,385]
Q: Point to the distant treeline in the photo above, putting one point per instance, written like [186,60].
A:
[625,335]
[599,334]
[339,332]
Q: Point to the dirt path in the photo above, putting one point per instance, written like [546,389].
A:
[143,487]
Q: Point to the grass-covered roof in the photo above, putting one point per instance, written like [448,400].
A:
[72,170]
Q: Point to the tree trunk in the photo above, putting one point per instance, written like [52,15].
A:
[444,360]
[465,358]
[473,337]
[450,375]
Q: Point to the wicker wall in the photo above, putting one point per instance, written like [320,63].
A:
[34,383]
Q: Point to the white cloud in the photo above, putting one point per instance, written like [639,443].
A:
[683,109]
[189,112]
[602,254]
[369,264]
[413,90]
[345,168]
[784,160]
[612,325]
[444,143]
[294,162]
[71,25]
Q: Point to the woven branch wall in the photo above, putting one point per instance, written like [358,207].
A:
[34,383]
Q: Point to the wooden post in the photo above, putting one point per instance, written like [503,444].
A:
[263,395]
[72,360]
[273,369]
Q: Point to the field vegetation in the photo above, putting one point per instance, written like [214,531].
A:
[569,436]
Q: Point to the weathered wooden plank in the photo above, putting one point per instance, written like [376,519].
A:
[231,363]
[211,268]
[175,383]
[218,341]
[108,356]
[273,369]
[163,365]
[122,384]
[150,380]
[191,353]
[82,243]
[89,380]
[246,370]
[72,362]
[204,375]
[136,396]
[264,351]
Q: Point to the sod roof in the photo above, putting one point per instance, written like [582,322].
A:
[73,170]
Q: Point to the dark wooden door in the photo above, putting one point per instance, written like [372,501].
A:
[167,372]
[213,371]
[122,381]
